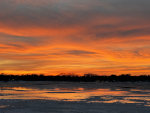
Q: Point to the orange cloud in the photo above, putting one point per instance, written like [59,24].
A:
[71,36]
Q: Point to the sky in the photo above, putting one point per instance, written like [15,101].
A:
[75,36]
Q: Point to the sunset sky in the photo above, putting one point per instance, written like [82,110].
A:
[75,36]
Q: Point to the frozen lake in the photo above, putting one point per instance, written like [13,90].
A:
[74,97]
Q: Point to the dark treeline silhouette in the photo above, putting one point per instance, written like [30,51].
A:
[75,78]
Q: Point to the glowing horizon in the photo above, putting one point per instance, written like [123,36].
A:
[75,36]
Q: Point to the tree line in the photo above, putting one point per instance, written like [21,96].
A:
[75,78]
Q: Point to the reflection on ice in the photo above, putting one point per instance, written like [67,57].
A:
[80,92]
[4,106]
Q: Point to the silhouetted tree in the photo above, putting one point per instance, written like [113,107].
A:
[74,78]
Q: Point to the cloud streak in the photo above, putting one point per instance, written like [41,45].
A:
[54,36]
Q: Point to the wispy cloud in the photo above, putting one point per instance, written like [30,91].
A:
[53,36]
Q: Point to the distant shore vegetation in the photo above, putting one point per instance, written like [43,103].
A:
[75,78]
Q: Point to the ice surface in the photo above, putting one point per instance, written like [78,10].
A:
[74,97]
